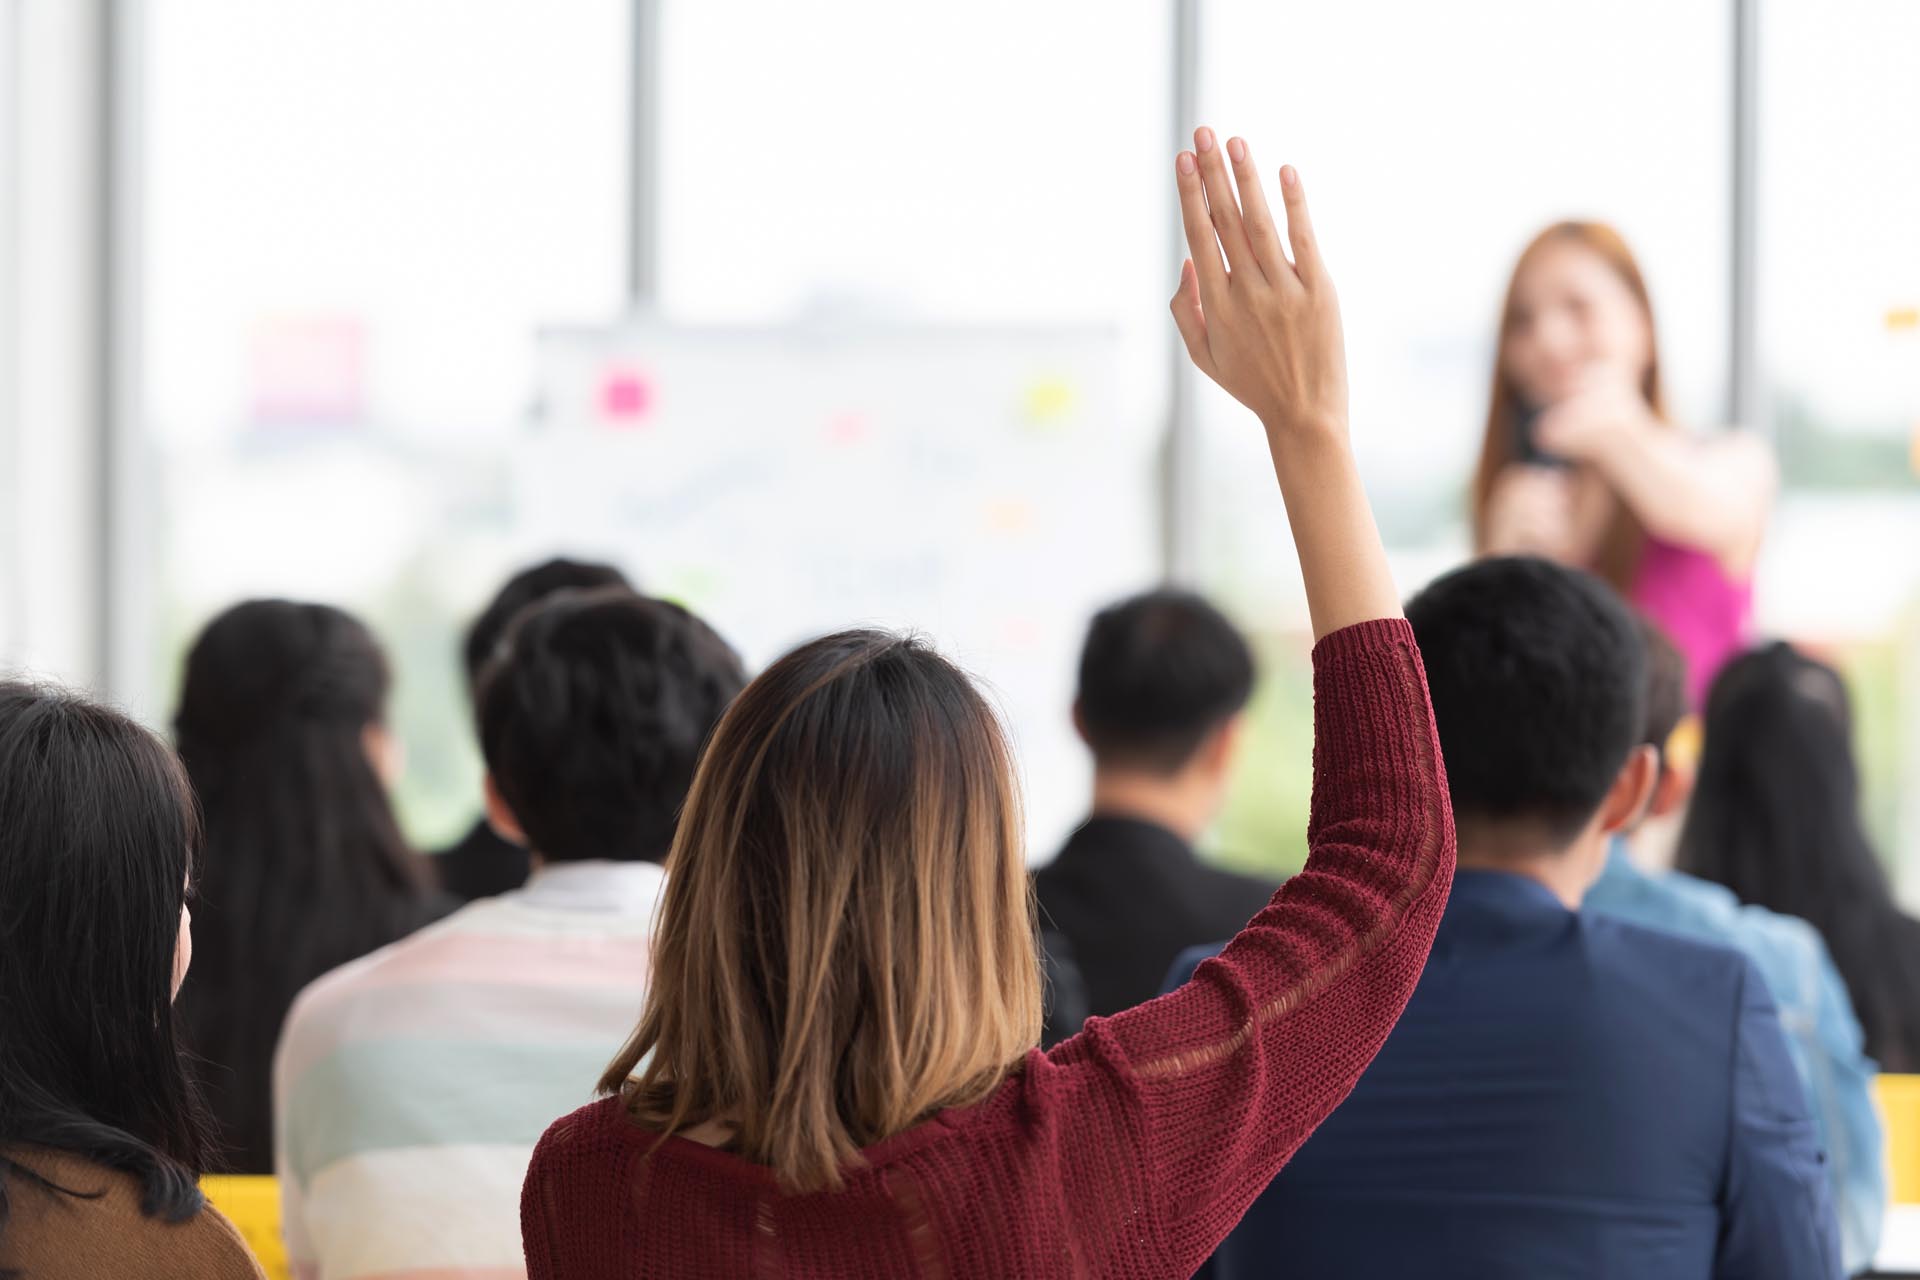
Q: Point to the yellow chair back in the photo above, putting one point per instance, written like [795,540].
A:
[253,1205]
[1899,1098]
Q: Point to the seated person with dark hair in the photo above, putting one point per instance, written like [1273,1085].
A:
[1164,678]
[411,1086]
[1815,1012]
[1566,1095]
[482,863]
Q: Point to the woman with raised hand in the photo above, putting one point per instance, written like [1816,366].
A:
[835,1073]
[282,727]
[1582,463]
[102,1136]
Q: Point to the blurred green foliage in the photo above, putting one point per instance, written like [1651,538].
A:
[1874,681]
[1813,455]
[1263,828]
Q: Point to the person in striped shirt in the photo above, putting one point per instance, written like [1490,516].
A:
[411,1085]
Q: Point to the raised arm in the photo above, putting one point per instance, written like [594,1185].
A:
[1268,331]
[1189,1105]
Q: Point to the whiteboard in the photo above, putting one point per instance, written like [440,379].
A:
[986,488]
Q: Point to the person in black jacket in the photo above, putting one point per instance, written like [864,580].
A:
[482,865]
[1164,683]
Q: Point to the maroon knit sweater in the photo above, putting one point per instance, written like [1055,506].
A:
[1131,1149]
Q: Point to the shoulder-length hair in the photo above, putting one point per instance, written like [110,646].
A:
[305,867]
[98,834]
[1624,539]
[846,943]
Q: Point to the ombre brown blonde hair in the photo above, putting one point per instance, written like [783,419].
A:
[846,943]
[1624,539]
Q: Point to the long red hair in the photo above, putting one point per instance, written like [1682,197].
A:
[1621,546]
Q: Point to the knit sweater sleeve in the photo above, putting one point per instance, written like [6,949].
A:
[1178,1113]
[536,1198]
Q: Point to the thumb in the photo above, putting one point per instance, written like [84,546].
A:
[1190,319]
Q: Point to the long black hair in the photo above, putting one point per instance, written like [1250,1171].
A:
[305,867]
[97,838]
[1776,818]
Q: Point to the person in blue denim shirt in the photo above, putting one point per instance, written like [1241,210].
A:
[1822,1033]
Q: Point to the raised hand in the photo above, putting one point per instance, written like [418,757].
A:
[1265,328]
[1268,330]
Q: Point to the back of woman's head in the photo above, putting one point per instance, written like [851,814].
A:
[97,837]
[276,675]
[846,942]
[1775,817]
[1775,812]
[305,865]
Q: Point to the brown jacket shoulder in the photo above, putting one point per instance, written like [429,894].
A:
[50,1235]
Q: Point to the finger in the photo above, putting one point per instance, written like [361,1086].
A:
[1262,236]
[1191,320]
[1201,242]
[1222,206]
[1306,250]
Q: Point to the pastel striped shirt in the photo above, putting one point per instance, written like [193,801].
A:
[411,1085]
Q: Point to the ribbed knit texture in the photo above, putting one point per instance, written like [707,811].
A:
[1129,1150]
[101,1233]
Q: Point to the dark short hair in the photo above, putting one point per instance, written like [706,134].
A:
[1158,673]
[592,717]
[1666,700]
[1538,675]
[529,586]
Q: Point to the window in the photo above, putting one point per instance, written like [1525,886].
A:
[1839,296]
[961,186]
[986,163]
[353,218]
[1840,267]
[350,244]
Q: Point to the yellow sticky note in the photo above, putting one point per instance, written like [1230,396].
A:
[1899,1099]
[1684,743]
[1047,402]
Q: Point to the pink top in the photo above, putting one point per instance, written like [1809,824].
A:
[1703,611]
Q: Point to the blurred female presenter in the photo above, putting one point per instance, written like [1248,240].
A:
[1582,464]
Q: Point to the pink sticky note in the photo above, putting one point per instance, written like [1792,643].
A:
[309,369]
[847,428]
[625,396]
